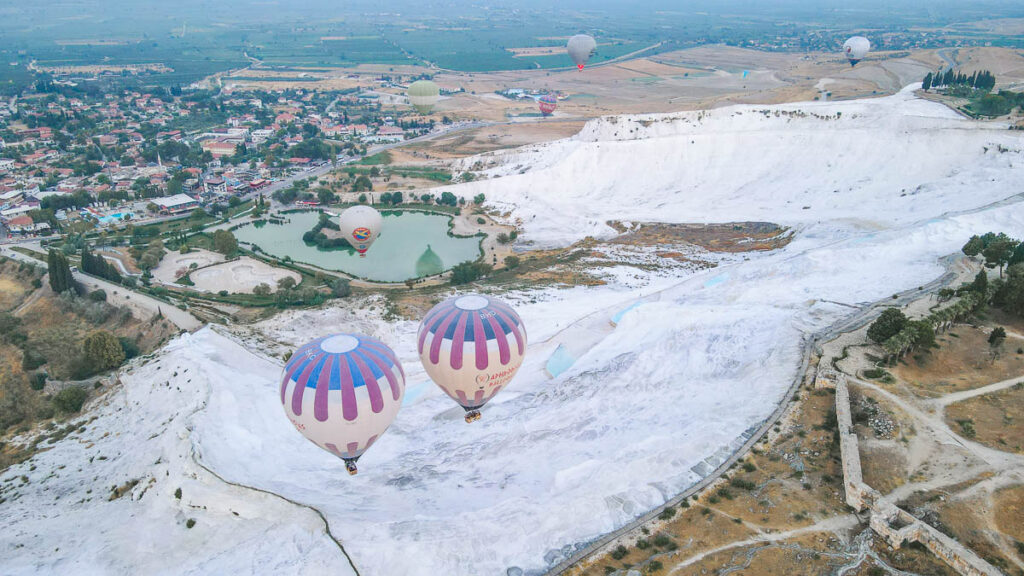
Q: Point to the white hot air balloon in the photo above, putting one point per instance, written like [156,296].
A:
[342,392]
[360,225]
[472,346]
[856,49]
[581,47]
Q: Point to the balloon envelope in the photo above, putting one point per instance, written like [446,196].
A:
[423,94]
[342,392]
[472,346]
[360,225]
[856,49]
[581,47]
[547,104]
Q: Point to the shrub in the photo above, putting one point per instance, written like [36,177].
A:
[643,544]
[102,351]
[511,262]
[70,400]
[667,513]
[749,467]
[661,540]
[37,381]
[653,566]
[742,484]
[620,552]
[177,493]
[481,221]
[131,349]
[223,293]
[98,296]
[190,523]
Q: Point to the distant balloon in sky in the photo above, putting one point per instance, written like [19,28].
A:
[472,346]
[547,104]
[342,392]
[856,49]
[360,225]
[581,47]
[423,94]
[746,73]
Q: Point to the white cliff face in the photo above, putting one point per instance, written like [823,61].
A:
[644,409]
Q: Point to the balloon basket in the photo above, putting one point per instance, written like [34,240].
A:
[350,465]
[472,416]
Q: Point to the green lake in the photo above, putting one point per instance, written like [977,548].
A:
[411,245]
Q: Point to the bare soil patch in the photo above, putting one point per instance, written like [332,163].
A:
[963,362]
[728,237]
[995,420]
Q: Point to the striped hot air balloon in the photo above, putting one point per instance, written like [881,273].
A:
[472,346]
[547,104]
[342,392]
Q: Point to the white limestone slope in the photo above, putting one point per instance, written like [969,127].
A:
[648,406]
[886,161]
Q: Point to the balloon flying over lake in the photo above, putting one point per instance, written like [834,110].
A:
[342,392]
[472,346]
[360,225]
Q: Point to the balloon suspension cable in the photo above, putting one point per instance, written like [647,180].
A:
[350,465]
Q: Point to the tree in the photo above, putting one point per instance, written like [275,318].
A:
[325,196]
[60,272]
[980,284]
[467,272]
[999,251]
[924,333]
[974,246]
[997,336]
[286,283]
[225,242]
[478,199]
[341,288]
[891,321]
[70,399]
[102,351]
[927,81]
[511,262]
[374,172]
[362,183]
[262,289]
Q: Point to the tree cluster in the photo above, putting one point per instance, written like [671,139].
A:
[980,80]
[467,272]
[98,266]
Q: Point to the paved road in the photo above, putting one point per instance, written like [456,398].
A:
[142,306]
[964,395]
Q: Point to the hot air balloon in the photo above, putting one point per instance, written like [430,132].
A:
[472,346]
[581,47]
[360,225]
[856,49]
[423,94]
[547,104]
[342,392]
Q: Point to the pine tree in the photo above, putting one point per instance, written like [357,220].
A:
[927,81]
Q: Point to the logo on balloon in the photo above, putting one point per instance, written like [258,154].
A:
[497,378]
[361,234]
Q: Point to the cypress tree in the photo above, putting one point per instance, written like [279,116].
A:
[927,81]
[60,272]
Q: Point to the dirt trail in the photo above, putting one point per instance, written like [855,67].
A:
[833,524]
[959,396]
